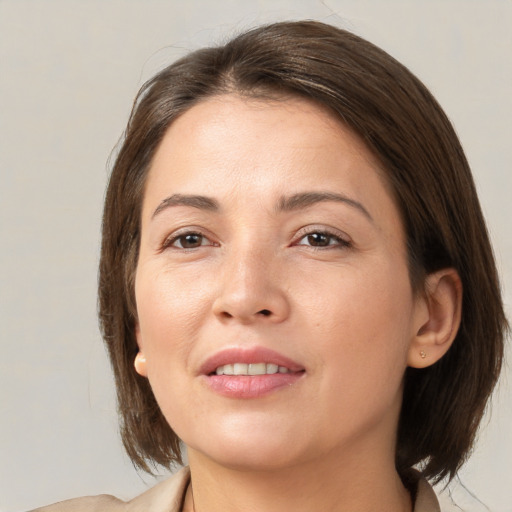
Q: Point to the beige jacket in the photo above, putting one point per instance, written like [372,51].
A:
[168,496]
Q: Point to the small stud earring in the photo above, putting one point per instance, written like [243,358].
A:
[423,354]
[140,364]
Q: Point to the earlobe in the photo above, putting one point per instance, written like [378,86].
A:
[439,318]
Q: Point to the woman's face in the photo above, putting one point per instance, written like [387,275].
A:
[271,245]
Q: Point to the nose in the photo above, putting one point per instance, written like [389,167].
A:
[252,289]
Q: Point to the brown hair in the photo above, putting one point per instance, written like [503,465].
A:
[403,125]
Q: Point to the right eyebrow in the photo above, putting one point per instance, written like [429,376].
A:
[195,201]
[306,199]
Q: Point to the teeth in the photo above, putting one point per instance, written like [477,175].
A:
[240,369]
[273,368]
[227,369]
[257,369]
[251,369]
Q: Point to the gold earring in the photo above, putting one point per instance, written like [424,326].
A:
[423,354]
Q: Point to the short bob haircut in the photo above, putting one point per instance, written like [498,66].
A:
[407,131]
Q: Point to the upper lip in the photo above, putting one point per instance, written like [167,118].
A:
[248,356]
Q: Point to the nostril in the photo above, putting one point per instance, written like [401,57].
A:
[265,312]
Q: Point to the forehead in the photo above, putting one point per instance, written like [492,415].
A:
[233,145]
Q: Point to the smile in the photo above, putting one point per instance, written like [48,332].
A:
[249,373]
[250,369]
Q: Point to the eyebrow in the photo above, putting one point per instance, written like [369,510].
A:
[194,201]
[306,199]
[285,204]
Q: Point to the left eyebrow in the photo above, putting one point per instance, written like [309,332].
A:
[194,201]
[305,199]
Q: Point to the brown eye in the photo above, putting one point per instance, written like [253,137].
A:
[319,239]
[189,241]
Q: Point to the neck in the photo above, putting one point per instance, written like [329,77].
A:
[330,484]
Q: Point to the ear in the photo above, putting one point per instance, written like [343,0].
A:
[140,358]
[437,318]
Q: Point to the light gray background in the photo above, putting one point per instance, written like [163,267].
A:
[68,73]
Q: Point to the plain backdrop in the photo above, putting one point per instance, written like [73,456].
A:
[69,70]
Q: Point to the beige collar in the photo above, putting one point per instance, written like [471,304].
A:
[168,496]
[426,499]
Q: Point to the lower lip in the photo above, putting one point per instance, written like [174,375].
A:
[251,386]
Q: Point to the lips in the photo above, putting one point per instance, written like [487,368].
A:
[251,369]
[249,356]
[249,373]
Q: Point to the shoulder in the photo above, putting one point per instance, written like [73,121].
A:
[167,496]
[87,504]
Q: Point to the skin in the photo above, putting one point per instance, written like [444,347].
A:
[333,280]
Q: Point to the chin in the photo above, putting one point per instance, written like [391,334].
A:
[251,449]
[253,459]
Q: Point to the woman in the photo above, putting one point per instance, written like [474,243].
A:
[296,281]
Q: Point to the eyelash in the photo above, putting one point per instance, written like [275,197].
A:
[340,243]
[169,242]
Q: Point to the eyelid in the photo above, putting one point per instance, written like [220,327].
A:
[344,239]
[170,239]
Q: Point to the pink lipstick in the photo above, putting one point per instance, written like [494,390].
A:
[249,373]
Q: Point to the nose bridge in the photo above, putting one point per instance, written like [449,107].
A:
[252,262]
[251,283]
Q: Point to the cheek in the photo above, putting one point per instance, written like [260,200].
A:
[170,310]
[363,323]
[362,335]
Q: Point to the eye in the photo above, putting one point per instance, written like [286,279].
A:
[187,241]
[322,239]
